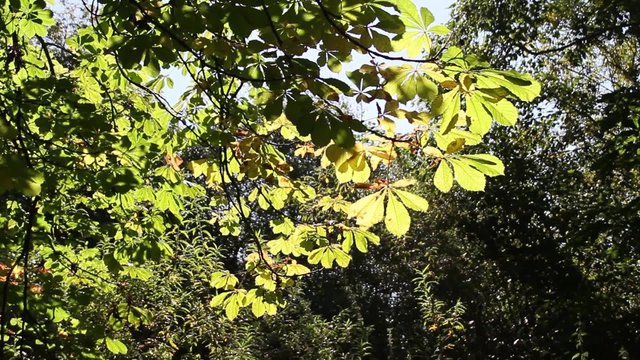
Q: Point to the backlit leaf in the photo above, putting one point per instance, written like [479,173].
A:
[368,210]
[115,346]
[412,201]
[468,177]
[485,163]
[443,179]
[397,218]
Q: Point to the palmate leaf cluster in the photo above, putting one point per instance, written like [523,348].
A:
[560,239]
[97,173]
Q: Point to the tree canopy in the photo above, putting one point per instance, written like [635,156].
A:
[105,183]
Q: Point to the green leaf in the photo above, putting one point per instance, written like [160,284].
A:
[258,308]
[7,130]
[522,86]
[315,256]
[480,117]
[223,280]
[327,258]
[59,314]
[321,134]
[456,145]
[342,258]
[397,219]
[296,269]
[406,82]
[219,299]
[449,107]
[347,240]
[415,39]
[444,140]
[266,281]
[468,177]
[232,309]
[361,243]
[342,134]
[504,112]
[407,9]
[485,163]
[115,346]
[282,226]
[412,201]
[439,30]
[434,152]
[362,239]
[15,174]
[334,64]
[443,179]
[302,113]
[381,42]
[426,17]
[137,272]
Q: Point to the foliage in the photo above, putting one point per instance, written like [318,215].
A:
[99,173]
[549,268]
[545,260]
[446,322]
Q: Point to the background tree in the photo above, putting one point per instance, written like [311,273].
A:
[552,269]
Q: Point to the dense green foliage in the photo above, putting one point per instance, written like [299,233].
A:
[125,219]
[545,261]
[585,245]
[136,227]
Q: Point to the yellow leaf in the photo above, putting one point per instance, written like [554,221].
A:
[480,118]
[504,112]
[485,163]
[337,155]
[403,183]
[443,179]
[468,177]
[232,309]
[431,151]
[344,173]
[388,125]
[223,280]
[219,299]
[296,269]
[412,201]
[258,308]
[271,308]
[315,256]
[397,219]
[115,346]
[455,146]
[369,210]
[449,108]
[265,281]
[362,175]
[327,259]
[342,258]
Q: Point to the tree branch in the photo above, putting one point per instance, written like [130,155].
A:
[47,55]
[24,254]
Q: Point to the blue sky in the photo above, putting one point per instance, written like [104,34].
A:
[439,8]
